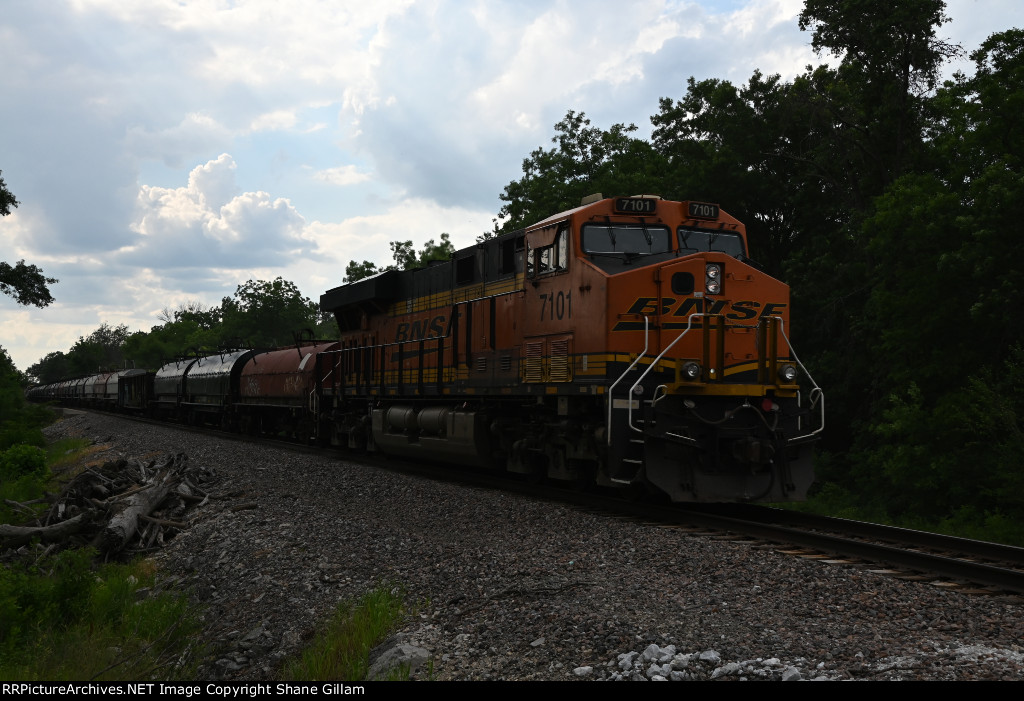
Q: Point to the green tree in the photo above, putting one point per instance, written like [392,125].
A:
[870,107]
[405,257]
[944,419]
[11,383]
[861,128]
[194,311]
[585,160]
[53,367]
[267,313]
[357,271]
[723,144]
[7,200]
[26,283]
[20,422]
[165,342]
[100,350]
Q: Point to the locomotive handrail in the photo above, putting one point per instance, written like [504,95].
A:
[611,389]
[451,332]
[654,364]
[816,394]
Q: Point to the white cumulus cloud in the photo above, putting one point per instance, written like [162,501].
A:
[208,224]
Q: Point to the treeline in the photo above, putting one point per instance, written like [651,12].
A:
[260,314]
[892,206]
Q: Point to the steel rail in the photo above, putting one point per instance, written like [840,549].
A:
[1006,579]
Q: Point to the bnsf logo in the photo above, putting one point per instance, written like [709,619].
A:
[420,329]
[648,306]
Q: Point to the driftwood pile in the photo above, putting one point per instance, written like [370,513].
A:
[124,506]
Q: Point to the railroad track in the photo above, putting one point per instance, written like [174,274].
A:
[993,567]
[919,554]
[915,554]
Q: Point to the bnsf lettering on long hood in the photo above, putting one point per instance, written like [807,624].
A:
[420,329]
[672,307]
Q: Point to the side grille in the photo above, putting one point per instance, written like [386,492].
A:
[560,370]
[533,365]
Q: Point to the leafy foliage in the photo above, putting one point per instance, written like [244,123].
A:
[22,461]
[267,313]
[585,160]
[7,200]
[101,349]
[26,283]
[20,422]
[63,619]
[405,257]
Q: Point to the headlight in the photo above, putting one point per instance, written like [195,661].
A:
[691,371]
[713,279]
[787,373]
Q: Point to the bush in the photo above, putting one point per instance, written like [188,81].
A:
[22,461]
[18,433]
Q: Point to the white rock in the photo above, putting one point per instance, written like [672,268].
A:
[711,656]
[791,674]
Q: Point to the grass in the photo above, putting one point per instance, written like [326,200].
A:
[341,650]
[68,452]
[62,620]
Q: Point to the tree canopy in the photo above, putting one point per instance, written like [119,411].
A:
[585,160]
[405,257]
[26,283]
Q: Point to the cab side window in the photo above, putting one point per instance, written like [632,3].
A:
[553,258]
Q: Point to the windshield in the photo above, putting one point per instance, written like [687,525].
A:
[625,239]
[701,241]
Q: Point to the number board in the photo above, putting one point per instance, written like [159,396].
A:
[636,205]
[703,210]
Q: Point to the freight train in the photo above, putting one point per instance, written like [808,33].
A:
[627,343]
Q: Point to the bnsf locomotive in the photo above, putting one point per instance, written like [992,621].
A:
[627,343]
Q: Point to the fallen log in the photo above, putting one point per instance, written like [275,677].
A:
[125,523]
[15,536]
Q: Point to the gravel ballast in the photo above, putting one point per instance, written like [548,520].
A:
[505,587]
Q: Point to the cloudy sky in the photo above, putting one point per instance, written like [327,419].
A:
[164,151]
